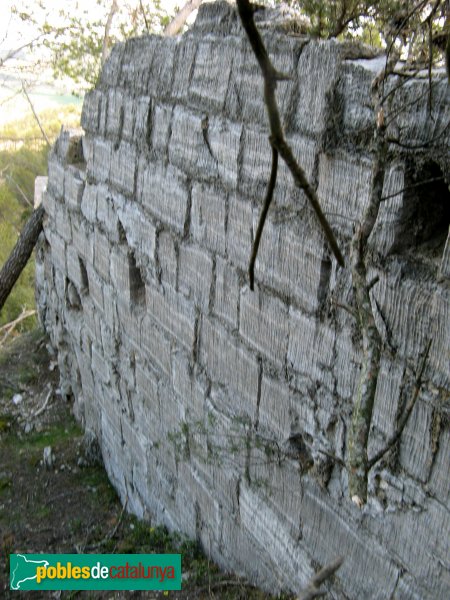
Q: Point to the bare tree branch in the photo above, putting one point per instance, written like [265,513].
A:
[176,24]
[44,135]
[262,218]
[106,38]
[312,590]
[278,141]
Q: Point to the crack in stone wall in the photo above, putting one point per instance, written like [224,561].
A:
[212,404]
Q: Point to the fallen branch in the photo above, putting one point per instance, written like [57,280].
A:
[9,327]
[312,589]
[406,414]
[44,406]
[278,142]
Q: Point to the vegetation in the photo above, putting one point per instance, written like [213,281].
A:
[23,156]
[72,507]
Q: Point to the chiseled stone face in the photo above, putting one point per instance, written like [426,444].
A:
[198,390]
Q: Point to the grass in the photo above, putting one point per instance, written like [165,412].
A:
[18,169]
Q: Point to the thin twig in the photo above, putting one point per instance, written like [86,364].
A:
[271,77]
[351,311]
[113,531]
[333,457]
[410,187]
[44,406]
[144,16]
[408,409]
[44,135]
[262,218]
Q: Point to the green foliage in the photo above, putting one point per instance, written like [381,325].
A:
[23,156]
[406,25]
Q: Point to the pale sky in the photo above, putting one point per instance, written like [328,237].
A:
[14,33]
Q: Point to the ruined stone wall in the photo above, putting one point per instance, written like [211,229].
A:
[213,404]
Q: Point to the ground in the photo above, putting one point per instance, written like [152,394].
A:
[69,506]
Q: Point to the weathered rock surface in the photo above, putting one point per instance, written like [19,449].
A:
[198,390]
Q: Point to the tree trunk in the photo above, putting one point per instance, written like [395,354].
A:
[181,17]
[18,258]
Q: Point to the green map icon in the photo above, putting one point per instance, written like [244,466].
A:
[23,569]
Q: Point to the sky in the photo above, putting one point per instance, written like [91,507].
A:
[15,33]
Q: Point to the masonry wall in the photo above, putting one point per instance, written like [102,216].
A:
[213,405]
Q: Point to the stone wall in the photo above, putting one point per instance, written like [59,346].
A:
[214,405]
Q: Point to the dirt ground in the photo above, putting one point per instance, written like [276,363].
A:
[65,503]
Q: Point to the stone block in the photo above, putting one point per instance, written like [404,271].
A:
[211,74]
[63,223]
[439,357]
[94,111]
[229,364]
[184,64]
[83,241]
[318,69]
[189,147]
[123,168]
[99,168]
[140,231]
[167,257]
[403,309]
[346,365]
[160,78]
[386,405]
[292,260]
[164,192]
[56,176]
[225,141]
[264,324]
[438,483]
[173,313]
[276,414]
[344,189]
[240,230]
[137,58]
[143,122]
[102,256]
[95,288]
[330,531]
[58,250]
[155,345]
[256,162]
[76,271]
[111,72]
[208,216]
[311,347]
[270,531]
[191,387]
[418,539]
[226,292]
[89,203]
[195,274]
[161,128]
[74,182]
[415,445]
[100,366]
